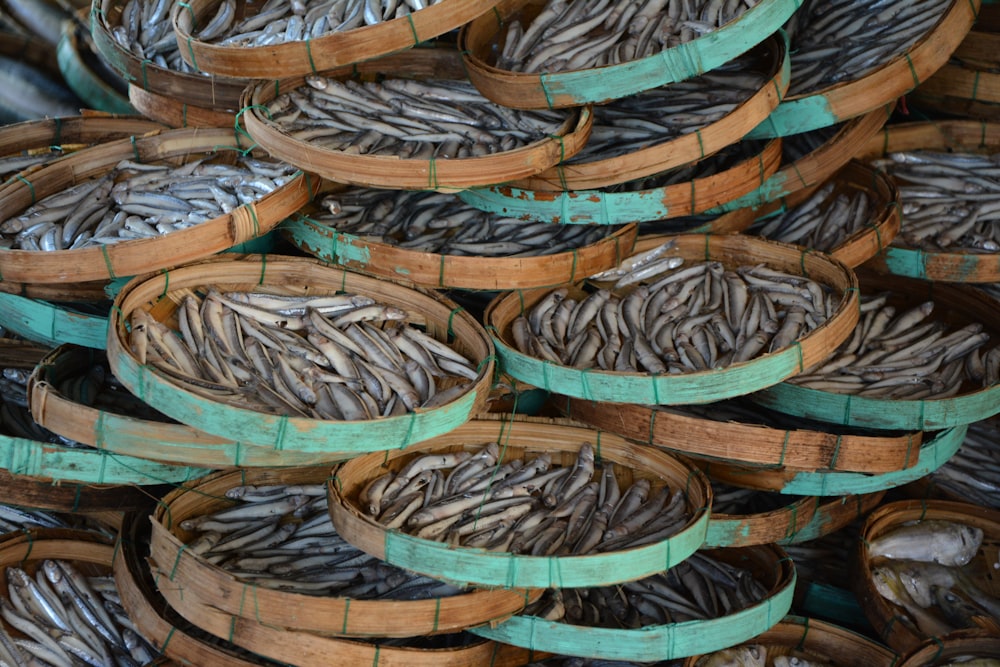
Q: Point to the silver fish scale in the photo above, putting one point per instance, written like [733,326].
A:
[312,558]
[145,30]
[698,588]
[525,505]
[569,36]
[823,221]
[662,319]
[950,201]
[906,354]
[281,21]
[973,472]
[408,118]
[135,201]
[443,224]
[635,122]
[844,40]
[78,619]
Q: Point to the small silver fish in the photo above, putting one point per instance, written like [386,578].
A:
[934,540]
[753,655]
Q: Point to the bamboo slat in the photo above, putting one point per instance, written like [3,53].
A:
[754,528]
[175,112]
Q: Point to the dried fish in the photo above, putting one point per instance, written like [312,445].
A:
[441,223]
[409,118]
[134,201]
[823,221]
[844,40]
[579,35]
[526,506]
[973,472]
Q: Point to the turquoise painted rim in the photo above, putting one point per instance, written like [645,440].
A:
[47,323]
[651,643]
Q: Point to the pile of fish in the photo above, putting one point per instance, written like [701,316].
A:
[906,355]
[141,201]
[524,506]
[951,200]
[280,21]
[700,587]
[922,568]
[280,536]
[736,500]
[96,387]
[632,123]
[675,320]
[843,40]
[15,519]
[147,31]
[973,472]
[823,221]
[747,655]
[67,619]
[343,357]
[442,223]
[567,36]
[408,118]
[15,417]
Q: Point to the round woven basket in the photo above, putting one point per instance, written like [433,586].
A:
[53,323]
[696,387]
[891,623]
[175,113]
[161,293]
[518,438]
[132,257]
[751,529]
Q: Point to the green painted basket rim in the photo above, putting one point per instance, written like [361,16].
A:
[83,81]
[933,455]
[728,530]
[823,523]
[599,84]
[596,207]
[656,642]
[32,458]
[282,432]
[842,101]
[868,412]
[51,324]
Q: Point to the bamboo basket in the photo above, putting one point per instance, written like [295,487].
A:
[164,442]
[52,323]
[175,113]
[815,639]
[947,106]
[841,101]
[293,275]
[390,171]
[835,513]
[201,90]
[466,565]
[770,57]
[815,167]
[616,208]
[69,134]
[327,616]
[883,226]
[955,304]
[933,454]
[316,651]
[481,38]
[955,135]
[939,651]
[84,74]
[76,498]
[177,640]
[769,564]
[970,73]
[751,529]
[809,448]
[892,627]
[129,258]
[698,387]
[438,270]
[28,50]
[328,51]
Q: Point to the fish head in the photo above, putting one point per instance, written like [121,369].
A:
[751,655]
[970,538]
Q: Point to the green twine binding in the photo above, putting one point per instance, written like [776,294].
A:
[279,444]
[798,347]
[913,71]
[347,607]
[177,561]
[543,82]
[836,452]
[194,62]
[451,318]
[309,54]
[701,143]
[252,209]
[652,425]
[793,522]
[263,269]
[805,631]
[909,450]
[103,467]
[441,265]
[432,179]
[408,437]
[145,75]
[30,185]
[135,148]
[784,448]
[107,261]
[166,283]
[413,28]
[77,497]
[59,127]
